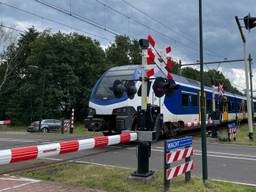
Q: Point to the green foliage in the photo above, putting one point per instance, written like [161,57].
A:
[51,73]
[124,52]
[211,77]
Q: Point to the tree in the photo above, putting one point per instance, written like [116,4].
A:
[7,40]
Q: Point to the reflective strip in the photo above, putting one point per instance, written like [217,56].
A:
[86,144]
[179,154]
[23,154]
[179,170]
[114,140]
[69,146]
[5,156]
[124,138]
[48,150]
[101,141]
[134,136]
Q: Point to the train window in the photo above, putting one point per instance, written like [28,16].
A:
[254,107]
[194,100]
[184,99]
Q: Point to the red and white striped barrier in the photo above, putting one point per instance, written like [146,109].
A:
[41,151]
[174,156]
[180,169]
[197,123]
[5,122]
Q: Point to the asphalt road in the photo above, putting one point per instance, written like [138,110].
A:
[227,162]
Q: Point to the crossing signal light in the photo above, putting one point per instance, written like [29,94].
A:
[119,88]
[249,22]
[163,86]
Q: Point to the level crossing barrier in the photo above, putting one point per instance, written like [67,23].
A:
[5,122]
[176,150]
[15,155]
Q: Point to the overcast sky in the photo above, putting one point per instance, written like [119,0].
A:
[178,25]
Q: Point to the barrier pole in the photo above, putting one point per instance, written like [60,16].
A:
[166,166]
[187,174]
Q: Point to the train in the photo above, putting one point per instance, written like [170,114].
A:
[180,111]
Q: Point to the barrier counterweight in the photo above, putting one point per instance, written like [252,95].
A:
[8,156]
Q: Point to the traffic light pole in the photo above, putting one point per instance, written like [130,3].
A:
[202,101]
[249,105]
[251,86]
[249,109]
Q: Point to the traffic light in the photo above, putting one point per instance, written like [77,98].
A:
[119,88]
[164,86]
[249,22]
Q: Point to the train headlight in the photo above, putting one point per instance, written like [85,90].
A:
[120,110]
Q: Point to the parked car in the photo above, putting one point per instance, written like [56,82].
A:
[47,125]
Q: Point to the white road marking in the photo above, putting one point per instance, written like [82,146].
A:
[22,140]
[218,156]
[21,179]
[239,155]
[236,182]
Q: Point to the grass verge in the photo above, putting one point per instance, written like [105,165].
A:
[241,137]
[112,179]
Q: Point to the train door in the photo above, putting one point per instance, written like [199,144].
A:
[225,109]
[199,104]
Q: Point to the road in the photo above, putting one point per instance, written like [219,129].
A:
[227,162]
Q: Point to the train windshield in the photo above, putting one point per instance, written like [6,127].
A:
[104,88]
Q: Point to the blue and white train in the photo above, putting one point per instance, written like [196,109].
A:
[180,111]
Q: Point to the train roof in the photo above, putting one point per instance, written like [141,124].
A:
[179,79]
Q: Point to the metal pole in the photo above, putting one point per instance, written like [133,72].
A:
[203,128]
[249,109]
[251,76]
[42,98]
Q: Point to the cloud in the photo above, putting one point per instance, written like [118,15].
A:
[221,36]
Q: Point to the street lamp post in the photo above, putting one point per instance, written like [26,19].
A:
[249,106]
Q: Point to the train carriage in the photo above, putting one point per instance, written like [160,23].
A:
[181,111]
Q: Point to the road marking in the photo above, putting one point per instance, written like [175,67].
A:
[231,154]
[236,182]
[21,179]
[218,156]
[22,140]
[221,153]
[100,164]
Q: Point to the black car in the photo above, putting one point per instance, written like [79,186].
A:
[47,125]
